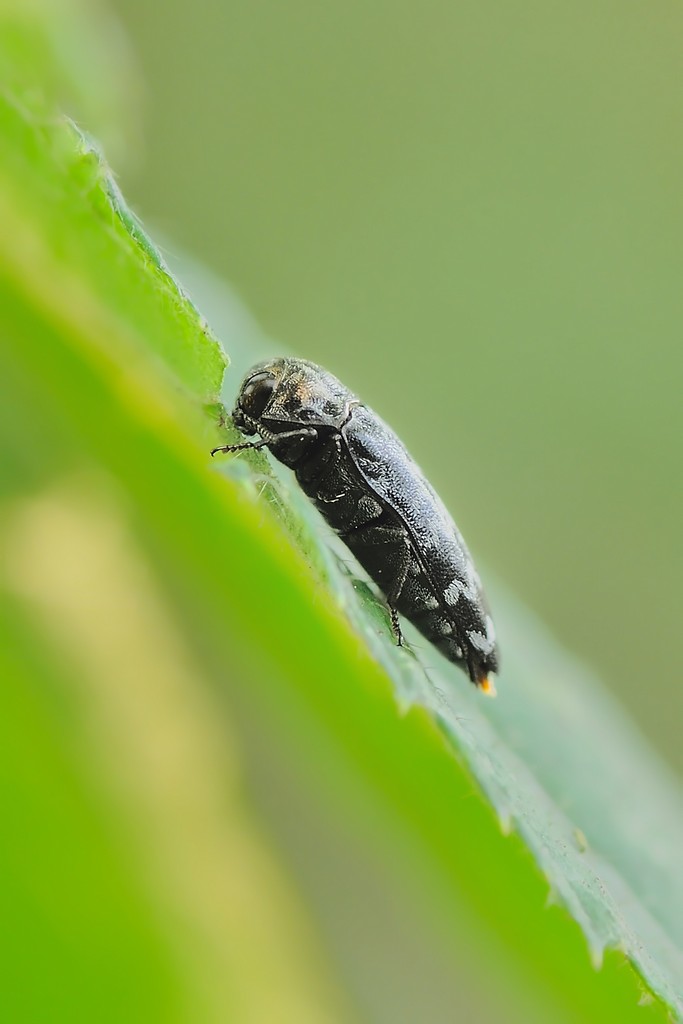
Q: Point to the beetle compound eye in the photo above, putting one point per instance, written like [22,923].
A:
[256,394]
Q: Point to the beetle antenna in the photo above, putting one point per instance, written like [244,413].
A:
[238,447]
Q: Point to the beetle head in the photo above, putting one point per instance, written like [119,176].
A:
[282,393]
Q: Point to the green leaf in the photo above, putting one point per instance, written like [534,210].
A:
[140,579]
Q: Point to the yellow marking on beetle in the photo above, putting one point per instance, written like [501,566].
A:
[488,686]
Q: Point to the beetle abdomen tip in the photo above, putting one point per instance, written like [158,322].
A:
[487,685]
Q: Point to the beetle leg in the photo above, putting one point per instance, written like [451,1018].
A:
[396,626]
[303,433]
[395,592]
[366,542]
[321,462]
[331,463]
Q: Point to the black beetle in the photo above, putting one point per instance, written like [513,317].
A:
[369,489]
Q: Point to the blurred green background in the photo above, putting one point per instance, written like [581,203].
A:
[473,213]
